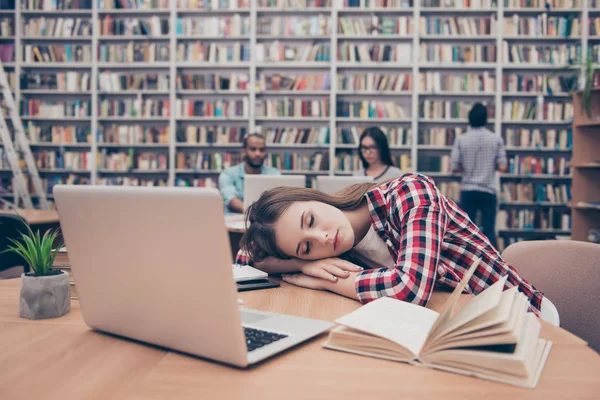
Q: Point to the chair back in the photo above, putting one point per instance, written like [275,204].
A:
[11,227]
[567,273]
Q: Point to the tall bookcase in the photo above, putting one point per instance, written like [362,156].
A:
[586,167]
[209,83]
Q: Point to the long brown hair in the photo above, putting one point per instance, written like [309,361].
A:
[259,238]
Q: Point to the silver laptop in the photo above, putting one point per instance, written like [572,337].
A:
[255,185]
[154,264]
[332,184]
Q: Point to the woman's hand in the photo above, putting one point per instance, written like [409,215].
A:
[329,269]
[345,287]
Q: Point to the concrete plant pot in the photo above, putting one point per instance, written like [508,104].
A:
[45,296]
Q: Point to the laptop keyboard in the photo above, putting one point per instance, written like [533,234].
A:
[256,338]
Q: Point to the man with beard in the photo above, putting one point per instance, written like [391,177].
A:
[231,180]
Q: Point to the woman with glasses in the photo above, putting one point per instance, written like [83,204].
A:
[374,153]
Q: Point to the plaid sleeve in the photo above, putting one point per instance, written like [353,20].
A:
[242,257]
[418,220]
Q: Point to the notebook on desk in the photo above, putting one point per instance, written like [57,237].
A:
[243,273]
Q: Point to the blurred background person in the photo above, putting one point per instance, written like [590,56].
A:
[477,155]
[374,152]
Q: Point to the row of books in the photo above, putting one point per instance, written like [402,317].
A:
[278,51]
[542,26]
[430,82]
[220,53]
[57,53]
[130,160]
[538,165]
[134,52]
[58,27]
[222,26]
[136,107]
[375,82]
[533,219]
[457,53]
[346,162]
[71,81]
[133,134]
[396,136]
[228,82]
[206,160]
[561,139]
[431,163]
[458,26]
[449,109]
[361,52]
[369,109]
[58,134]
[7,27]
[468,82]
[70,160]
[48,5]
[120,81]
[522,138]
[537,110]
[205,134]
[132,181]
[53,5]
[292,107]
[293,135]
[151,26]
[212,108]
[438,136]
[538,83]
[536,193]
[128,4]
[55,108]
[274,81]
[196,182]
[318,161]
[297,25]
[376,25]
[554,54]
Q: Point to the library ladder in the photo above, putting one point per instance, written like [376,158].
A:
[19,183]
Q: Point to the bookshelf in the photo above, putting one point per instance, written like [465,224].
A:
[173,86]
[586,168]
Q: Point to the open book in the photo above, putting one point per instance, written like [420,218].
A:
[492,337]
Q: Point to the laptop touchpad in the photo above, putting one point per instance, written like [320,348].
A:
[249,317]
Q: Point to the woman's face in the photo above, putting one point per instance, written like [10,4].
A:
[369,150]
[312,230]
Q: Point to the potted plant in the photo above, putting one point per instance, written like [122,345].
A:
[589,72]
[45,292]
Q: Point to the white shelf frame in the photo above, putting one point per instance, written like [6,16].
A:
[415,66]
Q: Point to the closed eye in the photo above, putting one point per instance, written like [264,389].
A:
[307,250]
[311,221]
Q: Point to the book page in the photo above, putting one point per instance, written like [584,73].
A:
[403,323]
[448,309]
[479,305]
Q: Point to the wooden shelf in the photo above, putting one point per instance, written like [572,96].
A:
[586,168]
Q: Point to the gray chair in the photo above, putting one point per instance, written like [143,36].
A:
[567,273]
[11,227]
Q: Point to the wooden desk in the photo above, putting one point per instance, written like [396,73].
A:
[36,217]
[63,359]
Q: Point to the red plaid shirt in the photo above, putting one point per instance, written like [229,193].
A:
[433,241]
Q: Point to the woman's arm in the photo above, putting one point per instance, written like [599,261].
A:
[272,265]
[420,220]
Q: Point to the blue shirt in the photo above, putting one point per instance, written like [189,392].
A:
[478,152]
[231,182]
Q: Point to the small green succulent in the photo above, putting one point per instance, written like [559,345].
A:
[37,251]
